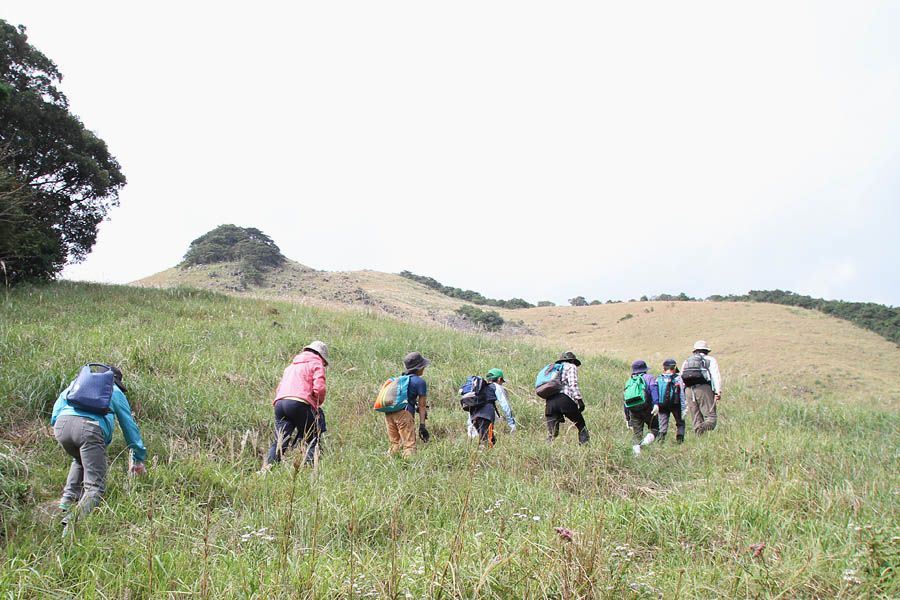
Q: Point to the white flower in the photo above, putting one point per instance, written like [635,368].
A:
[536,518]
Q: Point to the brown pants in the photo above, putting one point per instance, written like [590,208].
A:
[401,428]
[701,403]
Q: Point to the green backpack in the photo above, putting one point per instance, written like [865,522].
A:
[635,392]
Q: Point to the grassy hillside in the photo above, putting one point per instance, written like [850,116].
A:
[812,480]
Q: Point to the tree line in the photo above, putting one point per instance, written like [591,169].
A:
[467,295]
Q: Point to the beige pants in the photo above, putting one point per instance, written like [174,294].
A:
[401,428]
[701,403]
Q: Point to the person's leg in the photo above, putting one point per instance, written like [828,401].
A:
[485,431]
[707,404]
[304,417]
[679,426]
[406,425]
[663,426]
[284,429]
[571,412]
[553,416]
[93,461]
[694,408]
[636,422]
[63,430]
[390,421]
[653,425]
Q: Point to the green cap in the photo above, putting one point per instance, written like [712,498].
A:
[495,374]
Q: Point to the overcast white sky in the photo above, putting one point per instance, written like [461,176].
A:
[534,149]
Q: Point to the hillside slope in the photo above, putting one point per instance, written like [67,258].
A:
[757,344]
[787,499]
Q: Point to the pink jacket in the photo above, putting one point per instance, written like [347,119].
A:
[304,378]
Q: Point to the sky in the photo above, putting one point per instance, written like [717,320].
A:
[541,150]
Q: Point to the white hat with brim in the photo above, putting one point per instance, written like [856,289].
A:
[319,348]
[701,345]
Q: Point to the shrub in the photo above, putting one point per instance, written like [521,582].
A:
[490,319]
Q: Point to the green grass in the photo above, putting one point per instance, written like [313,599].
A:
[815,481]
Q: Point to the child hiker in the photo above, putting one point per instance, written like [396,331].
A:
[298,397]
[85,434]
[671,400]
[401,424]
[495,381]
[641,406]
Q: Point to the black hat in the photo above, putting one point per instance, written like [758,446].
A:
[569,357]
[415,361]
[117,378]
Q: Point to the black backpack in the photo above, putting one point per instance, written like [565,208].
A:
[696,370]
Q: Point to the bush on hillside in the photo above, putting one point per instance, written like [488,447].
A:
[228,243]
[489,319]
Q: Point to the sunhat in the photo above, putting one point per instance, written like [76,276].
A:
[701,345]
[319,348]
[638,367]
[569,357]
[415,361]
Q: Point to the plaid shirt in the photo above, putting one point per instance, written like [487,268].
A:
[570,381]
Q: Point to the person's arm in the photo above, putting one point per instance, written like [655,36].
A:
[681,394]
[715,376]
[130,430]
[503,401]
[653,386]
[318,382]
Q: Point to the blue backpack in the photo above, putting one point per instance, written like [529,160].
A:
[393,395]
[549,381]
[92,390]
[472,394]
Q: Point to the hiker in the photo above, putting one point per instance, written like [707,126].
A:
[482,418]
[401,424]
[298,397]
[703,387]
[84,435]
[568,403]
[641,406]
[495,381]
[671,400]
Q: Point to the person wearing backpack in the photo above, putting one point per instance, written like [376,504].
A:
[85,434]
[671,400]
[567,404]
[641,406]
[703,387]
[401,424]
[495,381]
[483,417]
[298,397]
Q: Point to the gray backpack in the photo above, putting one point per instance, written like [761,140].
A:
[696,370]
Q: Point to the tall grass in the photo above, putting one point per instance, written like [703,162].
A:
[812,481]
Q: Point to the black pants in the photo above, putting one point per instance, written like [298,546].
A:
[485,429]
[293,416]
[559,408]
[664,415]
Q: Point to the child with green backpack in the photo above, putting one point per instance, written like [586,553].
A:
[641,405]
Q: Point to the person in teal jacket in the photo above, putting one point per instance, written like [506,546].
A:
[84,436]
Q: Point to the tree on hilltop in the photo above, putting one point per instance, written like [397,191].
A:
[255,251]
[57,179]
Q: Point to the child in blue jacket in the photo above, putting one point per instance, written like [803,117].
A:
[645,412]
[671,400]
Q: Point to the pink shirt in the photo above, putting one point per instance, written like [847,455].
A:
[304,378]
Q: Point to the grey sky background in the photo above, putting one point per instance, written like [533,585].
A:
[534,149]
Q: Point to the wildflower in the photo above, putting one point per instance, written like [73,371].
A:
[757,549]
[479,534]
[536,518]
[565,533]
[488,511]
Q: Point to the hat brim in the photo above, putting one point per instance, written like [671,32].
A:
[639,371]
[574,361]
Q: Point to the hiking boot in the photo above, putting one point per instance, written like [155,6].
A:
[636,449]
[679,439]
[583,436]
